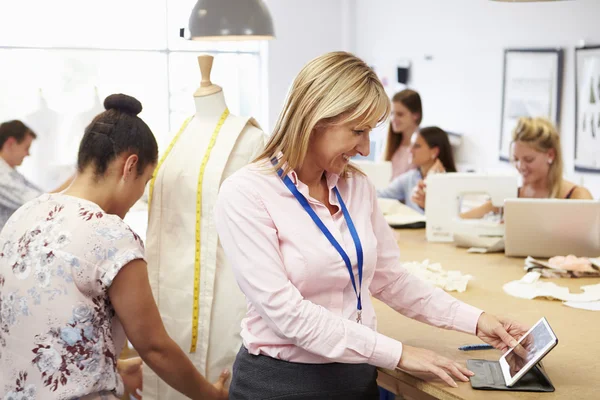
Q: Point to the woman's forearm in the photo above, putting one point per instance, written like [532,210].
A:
[171,364]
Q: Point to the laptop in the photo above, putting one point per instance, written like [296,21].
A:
[551,227]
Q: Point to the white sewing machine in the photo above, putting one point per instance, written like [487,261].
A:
[445,193]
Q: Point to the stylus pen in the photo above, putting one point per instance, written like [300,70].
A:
[476,347]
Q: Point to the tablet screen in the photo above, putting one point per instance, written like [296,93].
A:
[531,348]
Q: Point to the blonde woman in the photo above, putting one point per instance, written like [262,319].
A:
[309,246]
[537,155]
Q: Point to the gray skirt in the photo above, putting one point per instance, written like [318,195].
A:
[262,377]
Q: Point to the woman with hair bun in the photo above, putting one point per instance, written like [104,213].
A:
[73,280]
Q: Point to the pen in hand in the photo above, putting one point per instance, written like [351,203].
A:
[476,347]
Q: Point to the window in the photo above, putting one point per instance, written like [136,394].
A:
[58,63]
[111,24]
[236,72]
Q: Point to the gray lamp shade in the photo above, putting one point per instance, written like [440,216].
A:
[523,1]
[230,20]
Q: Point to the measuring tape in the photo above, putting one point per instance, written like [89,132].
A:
[195,311]
[211,144]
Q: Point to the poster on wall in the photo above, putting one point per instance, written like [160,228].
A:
[532,88]
[587,106]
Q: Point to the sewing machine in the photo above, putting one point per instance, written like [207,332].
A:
[445,193]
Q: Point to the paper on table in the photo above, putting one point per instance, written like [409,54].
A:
[397,214]
[436,275]
[530,287]
[589,305]
[479,244]
[549,270]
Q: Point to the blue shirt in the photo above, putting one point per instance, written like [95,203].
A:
[15,190]
[401,188]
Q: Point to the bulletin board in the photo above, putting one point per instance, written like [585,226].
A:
[532,87]
[587,109]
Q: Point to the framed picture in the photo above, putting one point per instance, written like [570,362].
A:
[532,87]
[587,109]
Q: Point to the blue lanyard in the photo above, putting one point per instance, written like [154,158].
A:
[359,251]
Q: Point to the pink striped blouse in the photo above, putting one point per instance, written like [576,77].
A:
[301,303]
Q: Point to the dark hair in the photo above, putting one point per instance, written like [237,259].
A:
[115,131]
[436,137]
[15,129]
[411,100]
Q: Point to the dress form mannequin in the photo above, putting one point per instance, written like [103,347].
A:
[46,123]
[77,122]
[54,154]
[171,236]
[72,130]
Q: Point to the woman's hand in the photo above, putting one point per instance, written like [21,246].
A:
[131,372]
[220,385]
[418,194]
[415,359]
[499,332]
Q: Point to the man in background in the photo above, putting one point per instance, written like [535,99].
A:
[15,189]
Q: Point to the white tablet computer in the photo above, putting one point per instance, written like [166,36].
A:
[532,347]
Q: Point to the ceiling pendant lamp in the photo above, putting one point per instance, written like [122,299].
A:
[230,20]
[524,1]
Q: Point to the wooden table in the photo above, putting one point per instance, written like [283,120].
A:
[573,366]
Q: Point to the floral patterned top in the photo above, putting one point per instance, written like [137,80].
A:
[59,335]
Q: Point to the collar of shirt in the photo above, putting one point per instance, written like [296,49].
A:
[332,179]
[4,167]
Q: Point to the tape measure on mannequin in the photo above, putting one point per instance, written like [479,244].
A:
[211,144]
[195,308]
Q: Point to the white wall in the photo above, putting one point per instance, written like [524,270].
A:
[304,30]
[461,84]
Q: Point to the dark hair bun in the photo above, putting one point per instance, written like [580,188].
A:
[122,102]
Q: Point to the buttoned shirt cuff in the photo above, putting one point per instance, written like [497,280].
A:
[466,318]
[387,352]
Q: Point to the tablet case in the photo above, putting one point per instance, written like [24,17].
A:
[488,376]
[413,225]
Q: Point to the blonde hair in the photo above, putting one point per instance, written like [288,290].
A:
[541,135]
[335,88]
